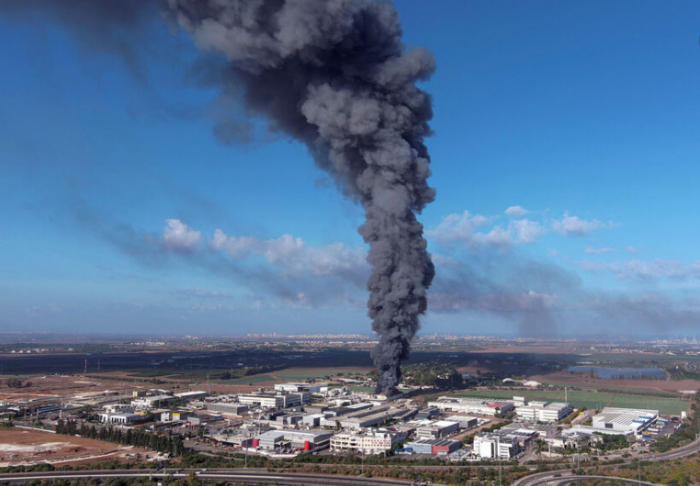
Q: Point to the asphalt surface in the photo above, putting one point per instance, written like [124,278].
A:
[563,481]
[231,476]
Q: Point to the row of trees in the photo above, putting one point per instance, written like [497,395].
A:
[432,374]
[135,437]
[17,383]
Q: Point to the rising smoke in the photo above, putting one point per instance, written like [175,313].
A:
[332,74]
[335,75]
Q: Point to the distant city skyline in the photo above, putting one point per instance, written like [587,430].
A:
[565,158]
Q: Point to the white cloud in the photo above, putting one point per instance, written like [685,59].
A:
[455,227]
[177,236]
[526,230]
[598,251]
[463,229]
[646,270]
[199,292]
[575,226]
[631,249]
[516,211]
[293,254]
[498,236]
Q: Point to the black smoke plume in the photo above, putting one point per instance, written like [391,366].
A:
[335,75]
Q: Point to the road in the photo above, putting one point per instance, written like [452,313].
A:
[564,480]
[231,476]
[686,450]
[563,477]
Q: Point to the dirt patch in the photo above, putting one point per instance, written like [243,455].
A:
[20,446]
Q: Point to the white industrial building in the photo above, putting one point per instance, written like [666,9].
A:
[279,400]
[371,443]
[623,420]
[307,439]
[299,387]
[120,418]
[189,395]
[150,402]
[465,422]
[502,444]
[478,406]
[536,411]
[227,408]
[435,429]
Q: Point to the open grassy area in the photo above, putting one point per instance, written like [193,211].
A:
[308,373]
[612,389]
[247,379]
[590,399]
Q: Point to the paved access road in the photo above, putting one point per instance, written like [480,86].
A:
[544,479]
[231,476]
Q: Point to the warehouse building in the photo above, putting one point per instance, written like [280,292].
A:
[120,418]
[465,422]
[478,406]
[228,408]
[294,439]
[433,446]
[436,429]
[299,387]
[370,443]
[191,395]
[623,420]
[369,418]
[503,444]
[154,401]
[271,400]
[536,411]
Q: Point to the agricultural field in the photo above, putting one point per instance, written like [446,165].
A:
[310,373]
[293,374]
[591,399]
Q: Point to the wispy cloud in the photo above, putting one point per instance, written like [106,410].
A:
[639,270]
[598,251]
[516,211]
[575,226]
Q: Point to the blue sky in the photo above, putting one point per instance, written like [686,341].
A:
[122,212]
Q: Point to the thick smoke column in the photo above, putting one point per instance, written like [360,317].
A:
[335,75]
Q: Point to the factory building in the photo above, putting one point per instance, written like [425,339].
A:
[120,418]
[228,408]
[433,446]
[299,387]
[465,422]
[536,411]
[154,401]
[190,395]
[295,439]
[279,400]
[623,420]
[371,443]
[478,406]
[436,429]
[503,444]
[175,416]
[369,418]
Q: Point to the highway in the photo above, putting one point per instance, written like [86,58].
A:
[565,476]
[231,476]
[563,481]
[261,476]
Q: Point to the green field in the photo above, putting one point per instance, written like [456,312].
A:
[591,399]
[247,379]
[612,389]
[294,374]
